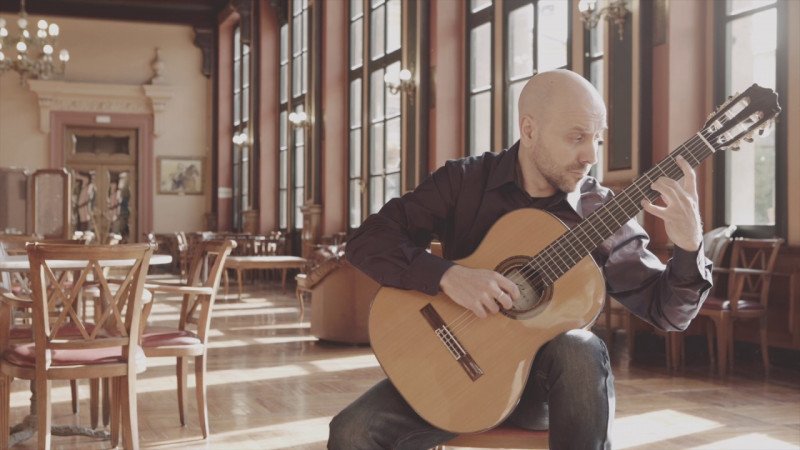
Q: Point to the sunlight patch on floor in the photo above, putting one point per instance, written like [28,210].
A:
[243,375]
[749,442]
[652,427]
[230,343]
[282,435]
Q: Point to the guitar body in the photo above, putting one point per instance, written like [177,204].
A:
[501,348]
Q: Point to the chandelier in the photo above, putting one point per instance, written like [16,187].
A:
[614,12]
[30,52]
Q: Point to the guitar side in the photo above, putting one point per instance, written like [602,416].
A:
[426,373]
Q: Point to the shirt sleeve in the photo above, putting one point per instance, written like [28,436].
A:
[667,296]
[390,246]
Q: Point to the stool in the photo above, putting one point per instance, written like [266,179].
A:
[501,437]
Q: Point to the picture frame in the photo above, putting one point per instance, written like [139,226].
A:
[180,175]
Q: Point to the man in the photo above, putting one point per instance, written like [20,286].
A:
[570,389]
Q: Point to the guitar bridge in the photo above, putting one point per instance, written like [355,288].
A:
[451,342]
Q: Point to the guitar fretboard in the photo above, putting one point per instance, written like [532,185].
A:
[575,244]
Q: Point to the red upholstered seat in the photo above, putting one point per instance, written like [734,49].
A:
[166,337]
[716,303]
[24,355]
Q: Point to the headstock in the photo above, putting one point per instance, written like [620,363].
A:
[741,117]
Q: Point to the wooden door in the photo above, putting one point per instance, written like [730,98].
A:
[103,167]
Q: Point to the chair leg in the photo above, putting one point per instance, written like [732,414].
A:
[106,402]
[43,412]
[710,326]
[181,368]
[300,293]
[94,402]
[200,390]
[239,280]
[73,387]
[116,425]
[225,280]
[5,410]
[764,345]
[130,417]
[722,345]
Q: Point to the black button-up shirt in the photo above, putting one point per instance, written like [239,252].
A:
[464,198]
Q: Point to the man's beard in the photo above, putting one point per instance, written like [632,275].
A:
[558,179]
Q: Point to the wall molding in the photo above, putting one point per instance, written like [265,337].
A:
[100,98]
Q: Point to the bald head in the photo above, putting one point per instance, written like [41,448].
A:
[550,94]
[561,121]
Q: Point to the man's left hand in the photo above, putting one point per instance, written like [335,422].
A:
[680,214]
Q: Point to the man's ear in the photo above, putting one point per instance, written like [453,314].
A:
[527,130]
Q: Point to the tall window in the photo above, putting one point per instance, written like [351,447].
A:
[748,36]
[241,122]
[375,131]
[480,39]
[594,49]
[294,73]
[535,38]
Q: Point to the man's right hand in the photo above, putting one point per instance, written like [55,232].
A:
[478,290]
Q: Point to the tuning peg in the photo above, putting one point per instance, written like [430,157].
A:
[767,128]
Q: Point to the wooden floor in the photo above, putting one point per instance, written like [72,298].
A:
[273,386]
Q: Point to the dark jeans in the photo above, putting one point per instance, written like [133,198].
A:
[570,391]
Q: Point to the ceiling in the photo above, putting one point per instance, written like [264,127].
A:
[198,13]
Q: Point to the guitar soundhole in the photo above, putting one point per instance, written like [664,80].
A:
[536,293]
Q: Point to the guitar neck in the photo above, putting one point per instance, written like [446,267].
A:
[578,242]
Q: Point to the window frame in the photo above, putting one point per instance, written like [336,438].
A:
[364,72]
[721,20]
[241,153]
[292,197]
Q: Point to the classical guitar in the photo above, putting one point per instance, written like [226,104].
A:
[465,374]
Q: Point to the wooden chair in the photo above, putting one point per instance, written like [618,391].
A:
[67,347]
[501,437]
[744,297]
[15,245]
[715,245]
[181,343]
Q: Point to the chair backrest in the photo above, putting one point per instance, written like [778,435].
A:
[756,254]
[117,325]
[209,259]
[14,244]
[716,242]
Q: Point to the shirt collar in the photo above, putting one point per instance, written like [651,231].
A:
[506,169]
[506,172]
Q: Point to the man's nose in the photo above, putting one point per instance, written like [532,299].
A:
[589,153]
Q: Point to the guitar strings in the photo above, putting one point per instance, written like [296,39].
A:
[466,318]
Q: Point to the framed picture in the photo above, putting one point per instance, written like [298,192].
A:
[179,175]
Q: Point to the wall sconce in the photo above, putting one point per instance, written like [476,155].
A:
[401,82]
[240,138]
[615,12]
[299,119]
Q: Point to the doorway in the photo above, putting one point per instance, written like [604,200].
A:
[103,164]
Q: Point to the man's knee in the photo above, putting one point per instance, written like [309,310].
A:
[344,429]
[581,351]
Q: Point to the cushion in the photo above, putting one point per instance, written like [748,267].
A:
[24,355]
[168,337]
